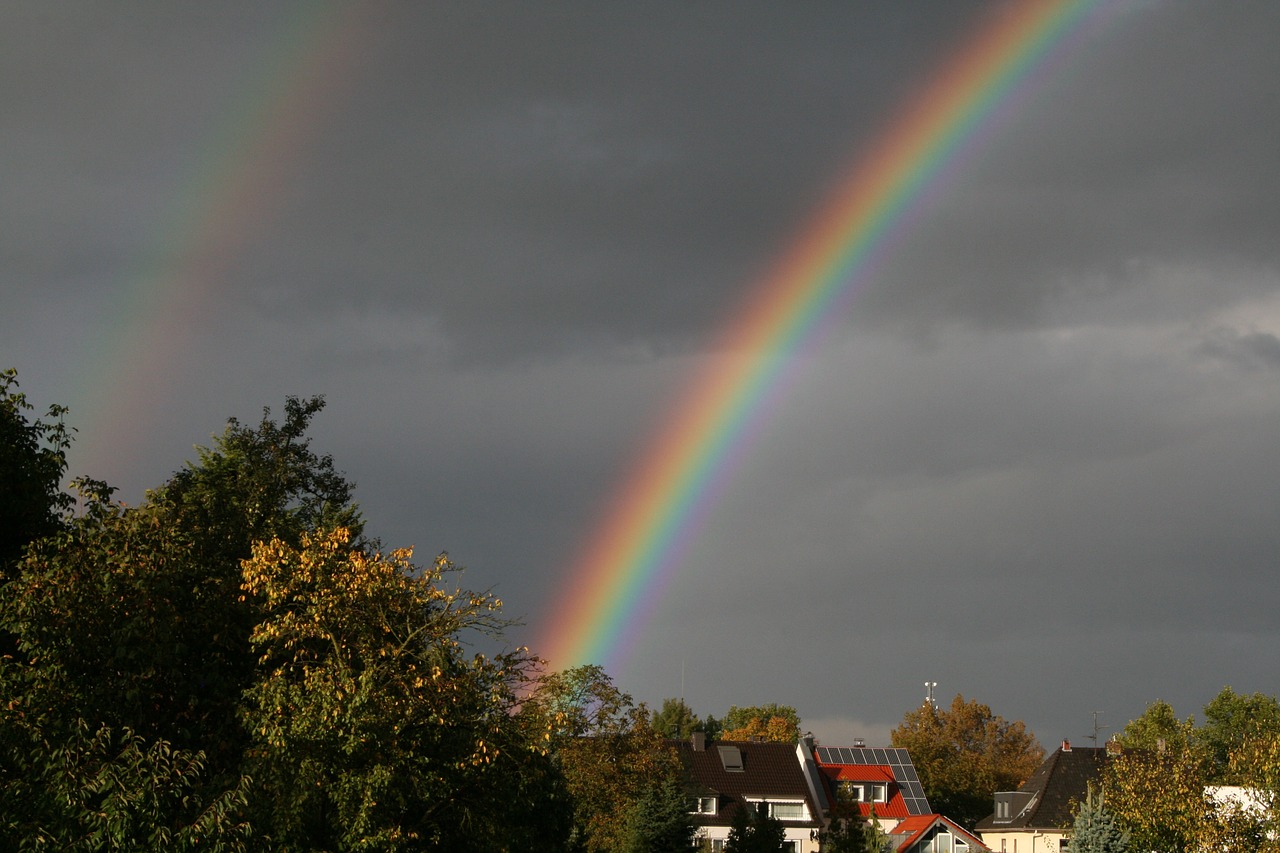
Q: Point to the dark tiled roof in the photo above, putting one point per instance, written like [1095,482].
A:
[770,771]
[1057,786]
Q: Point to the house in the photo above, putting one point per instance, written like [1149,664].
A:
[872,782]
[933,833]
[1037,817]
[777,778]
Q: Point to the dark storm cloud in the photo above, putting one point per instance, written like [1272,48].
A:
[1035,462]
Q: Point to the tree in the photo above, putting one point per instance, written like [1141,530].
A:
[754,831]
[1094,830]
[1232,720]
[676,720]
[613,760]
[965,753]
[779,723]
[230,665]
[372,728]
[134,614]
[659,821]
[1159,796]
[108,790]
[852,834]
[1158,729]
[33,459]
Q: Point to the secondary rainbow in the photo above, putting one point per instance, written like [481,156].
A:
[234,184]
[613,589]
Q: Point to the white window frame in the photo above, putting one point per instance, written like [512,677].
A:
[768,806]
[700,805]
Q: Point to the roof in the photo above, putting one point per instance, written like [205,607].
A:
[1052,792]
[912,829]
[863,764]
[770,771]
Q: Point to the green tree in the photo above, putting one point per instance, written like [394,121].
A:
[612,758]
[852,834]
[1094,830]
[1158,729]
[773,722]
[659,821]
[1231,720]
[372,728]
[229,664]
[676,720]
[135,615]
[1253,823]
[33,459]
[753,831]
[965,753]
[109,791]
[1159,796]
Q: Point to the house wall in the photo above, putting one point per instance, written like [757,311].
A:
[1025,841]
[712,834]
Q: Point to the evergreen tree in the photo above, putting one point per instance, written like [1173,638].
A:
[1095,830]
[659,821]
[754,831]
[676,720]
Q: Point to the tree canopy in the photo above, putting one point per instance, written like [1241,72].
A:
[965,753]
[229,665]
[772,722]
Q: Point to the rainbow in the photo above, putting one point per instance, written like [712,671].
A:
[233,185]
[614,588]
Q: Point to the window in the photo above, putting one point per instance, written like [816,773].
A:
[703,805]
[731,758]
[863,792]
[784,810]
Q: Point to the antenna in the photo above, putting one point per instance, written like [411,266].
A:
[928,694]
[1097,727]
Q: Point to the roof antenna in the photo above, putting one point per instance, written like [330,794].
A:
[1096,728]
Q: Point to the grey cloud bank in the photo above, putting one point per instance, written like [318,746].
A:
[1035,462]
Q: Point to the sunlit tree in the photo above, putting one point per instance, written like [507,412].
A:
[965,753]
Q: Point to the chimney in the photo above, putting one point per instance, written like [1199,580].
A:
[699,741]
[1113,747]
[1066,745]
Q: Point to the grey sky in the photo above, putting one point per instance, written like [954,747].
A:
[1035,461]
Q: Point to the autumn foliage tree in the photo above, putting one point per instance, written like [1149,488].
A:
[772,722]
[371,726]
[229,665]
[621,773]
[1162,787]
[964,754]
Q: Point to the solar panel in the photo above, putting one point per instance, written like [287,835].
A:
[898,760]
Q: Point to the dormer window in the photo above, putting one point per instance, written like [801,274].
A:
[703,805]
[863,792]
[731,758]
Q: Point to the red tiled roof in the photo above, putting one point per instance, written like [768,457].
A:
[917,825]
[896,807]
[858,772]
